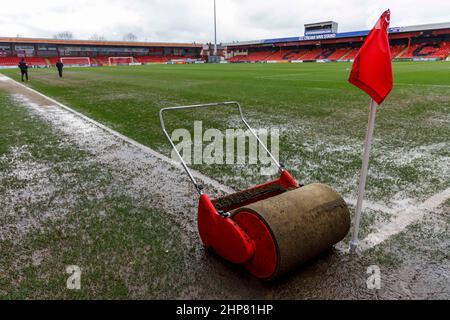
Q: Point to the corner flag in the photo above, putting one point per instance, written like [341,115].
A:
[372,73]
[372,69]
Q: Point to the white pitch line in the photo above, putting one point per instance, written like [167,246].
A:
[4,78]
[375,206]
[423,85]
[294,77]
[403,219]
[144,148]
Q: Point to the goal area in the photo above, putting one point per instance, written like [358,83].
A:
[76,61]
[120,61]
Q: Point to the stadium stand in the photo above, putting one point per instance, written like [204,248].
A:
[69,60]
[279,55]
[420,42]
[235,58]
[337,54]
[45,52]
[396,50]
[427,50]
[9,61]
[350,55]
[121,60]
[438,51]
[53,60]
[296,54]
[36,61]
[102,60]
[418,50]
[409,53]
[151,59]
[442,52]
[257,56]
[177,57]
[94,61]
[312,55]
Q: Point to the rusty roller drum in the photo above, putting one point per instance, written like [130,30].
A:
[293,227]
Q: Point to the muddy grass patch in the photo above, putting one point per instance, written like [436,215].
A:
[418,269]
[60,206]
[117,252]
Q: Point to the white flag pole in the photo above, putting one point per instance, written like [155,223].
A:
[363,176]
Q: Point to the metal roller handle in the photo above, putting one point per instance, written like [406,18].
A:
[208,105]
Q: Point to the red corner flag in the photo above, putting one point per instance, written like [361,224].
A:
[372,69]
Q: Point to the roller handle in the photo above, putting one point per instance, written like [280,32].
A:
[208,105]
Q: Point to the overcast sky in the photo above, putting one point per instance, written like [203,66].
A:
[192,20]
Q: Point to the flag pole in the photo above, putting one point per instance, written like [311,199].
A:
[363,176]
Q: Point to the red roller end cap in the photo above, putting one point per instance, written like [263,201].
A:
[265,259]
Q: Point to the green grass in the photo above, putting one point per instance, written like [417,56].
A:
[322,117]
[128,98]
[124,248]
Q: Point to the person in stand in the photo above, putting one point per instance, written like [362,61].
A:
[23,69]
[60,66]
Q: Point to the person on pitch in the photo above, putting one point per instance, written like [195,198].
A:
[59,66]
[23,69]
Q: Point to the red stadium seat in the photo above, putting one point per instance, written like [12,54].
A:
[279,55]
[36,61]
[296,54]
[312,54]
[151,59]
[257,56]
[442,52]
[337,54]
[53,60]
[102,60]
[235,58]
[350,55]
[341,54]
[9,61]
[396,50]
[428,50]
